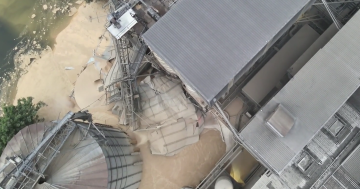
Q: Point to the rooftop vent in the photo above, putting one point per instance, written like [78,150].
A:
[336,127]
[305,162]
[280,121]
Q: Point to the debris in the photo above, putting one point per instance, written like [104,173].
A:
[31,60]
[91,60]
[138,7]
[33,15]
[55,10]
[79,2]
[73,10]
[69,68]
[45,7]
[34,32]
[72,94]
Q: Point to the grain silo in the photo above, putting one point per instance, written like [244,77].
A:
[70,154]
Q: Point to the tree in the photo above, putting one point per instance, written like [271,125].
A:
[17,117]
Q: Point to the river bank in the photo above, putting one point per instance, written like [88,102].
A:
[27,27]
[47,79]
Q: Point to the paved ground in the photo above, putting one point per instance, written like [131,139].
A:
[188,167]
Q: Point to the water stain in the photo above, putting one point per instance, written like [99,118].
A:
[27,26]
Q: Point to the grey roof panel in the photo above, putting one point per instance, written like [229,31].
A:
[275,69]
[209,42]
[352,164]
[316,92]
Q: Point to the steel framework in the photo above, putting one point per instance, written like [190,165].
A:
[30,170]
[130,52]
[66,154]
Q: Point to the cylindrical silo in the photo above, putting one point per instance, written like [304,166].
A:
[224,182]
[86,159]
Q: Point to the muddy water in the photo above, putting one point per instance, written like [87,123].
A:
[27,26]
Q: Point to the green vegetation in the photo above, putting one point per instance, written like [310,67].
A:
[88,1]
[15,118]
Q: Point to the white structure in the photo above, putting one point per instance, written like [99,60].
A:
[121,21]
[224,182]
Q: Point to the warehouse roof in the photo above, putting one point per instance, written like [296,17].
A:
[316,92]
[211,42]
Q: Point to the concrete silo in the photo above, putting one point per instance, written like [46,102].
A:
[70,154]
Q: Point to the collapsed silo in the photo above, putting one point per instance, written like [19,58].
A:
[70,154]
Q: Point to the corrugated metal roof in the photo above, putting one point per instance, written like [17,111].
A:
[352,165]
[275,69]
[316,92]
[209,42]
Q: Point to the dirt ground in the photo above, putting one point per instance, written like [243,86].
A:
[187,168]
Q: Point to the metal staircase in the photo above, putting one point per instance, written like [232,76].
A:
[129,56]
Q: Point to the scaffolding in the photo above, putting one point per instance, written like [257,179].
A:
[121,86]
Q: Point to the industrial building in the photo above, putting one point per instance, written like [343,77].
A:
[327,158]
[278,78]
[210,45]
[278,59]
[313,135]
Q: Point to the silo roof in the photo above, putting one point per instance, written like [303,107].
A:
[313,96]
[209,42]
[85,160]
